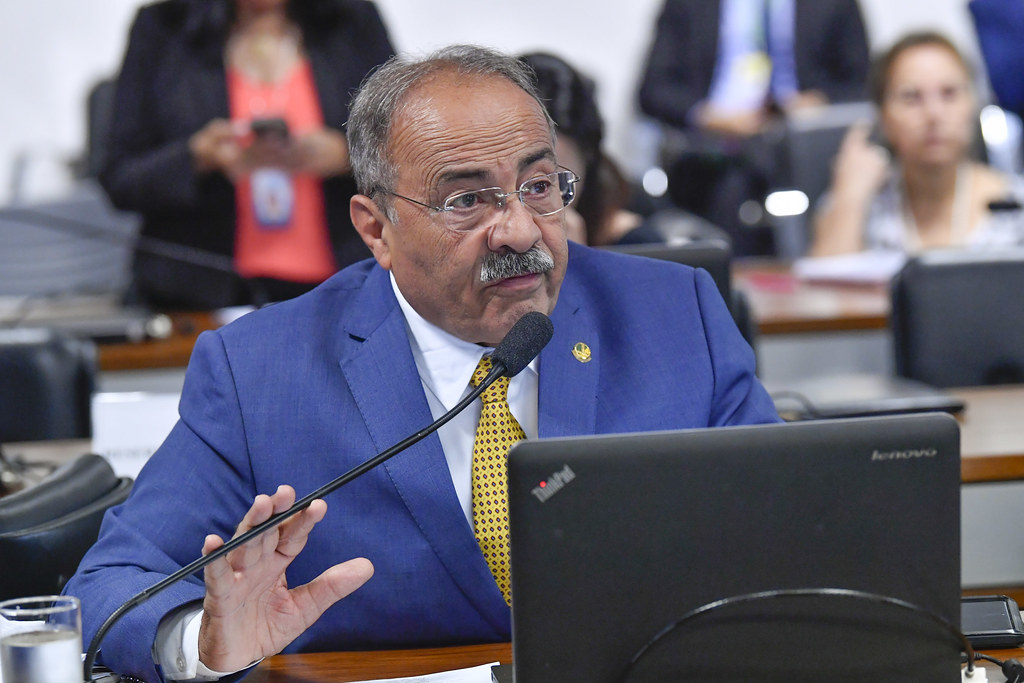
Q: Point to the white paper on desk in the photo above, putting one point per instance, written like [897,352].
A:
[127,427]
[866,267]
[475,674]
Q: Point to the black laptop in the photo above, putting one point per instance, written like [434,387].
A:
[697,555]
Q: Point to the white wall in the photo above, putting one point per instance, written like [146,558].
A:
[53,50]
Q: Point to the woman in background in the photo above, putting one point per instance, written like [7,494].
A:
[599,215]
[228,138]
[927,193]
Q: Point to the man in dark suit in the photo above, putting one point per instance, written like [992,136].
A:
[723,71]
[455,161]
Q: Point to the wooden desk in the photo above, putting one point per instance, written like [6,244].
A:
[344,667]
[991,437]
[172,352]
[782,304]
[779,303]
[332,667]
[992,433]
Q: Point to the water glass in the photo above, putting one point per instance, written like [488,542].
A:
[41,640]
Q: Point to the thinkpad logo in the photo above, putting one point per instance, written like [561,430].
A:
[555,483]
[909,454]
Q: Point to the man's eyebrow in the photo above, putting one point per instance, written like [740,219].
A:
[546,154]
[471,174]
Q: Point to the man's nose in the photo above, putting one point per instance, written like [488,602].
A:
[515,228]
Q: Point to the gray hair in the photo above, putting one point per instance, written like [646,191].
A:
[381,97]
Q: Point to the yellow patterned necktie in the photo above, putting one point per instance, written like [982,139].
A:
[495,435]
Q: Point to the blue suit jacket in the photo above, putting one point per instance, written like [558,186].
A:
[303,390]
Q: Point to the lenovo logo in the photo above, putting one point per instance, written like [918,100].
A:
[909,454]
[555,483]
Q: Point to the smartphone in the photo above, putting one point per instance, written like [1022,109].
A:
[270,128]
[1009,204]
[991,621]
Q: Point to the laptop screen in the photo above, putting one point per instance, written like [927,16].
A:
[615,539]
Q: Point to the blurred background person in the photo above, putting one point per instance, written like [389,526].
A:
[600,215]
[1000,28]
[723,71]
[924,191]
[228,138]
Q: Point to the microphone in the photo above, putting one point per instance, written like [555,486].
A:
[528,336]
[521,344]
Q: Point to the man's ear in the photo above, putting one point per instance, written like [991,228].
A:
[373,226]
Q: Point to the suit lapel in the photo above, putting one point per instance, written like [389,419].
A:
[384,381]
[569,368]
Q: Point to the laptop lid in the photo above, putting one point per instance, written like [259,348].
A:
[615,538]
[858,394]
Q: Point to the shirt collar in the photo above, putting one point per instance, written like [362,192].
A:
[445,362]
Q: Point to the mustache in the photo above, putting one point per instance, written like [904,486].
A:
[513,264]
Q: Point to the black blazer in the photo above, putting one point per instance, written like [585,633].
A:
[830,49]
[172,82]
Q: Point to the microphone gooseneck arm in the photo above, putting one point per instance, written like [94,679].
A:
[299,505]
[527,337]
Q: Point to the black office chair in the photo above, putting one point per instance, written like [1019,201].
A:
[46,385]
[45,530]
[713,255]
[99,114]
[957,318]
[810,140]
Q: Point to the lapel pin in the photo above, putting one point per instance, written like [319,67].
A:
[582,352]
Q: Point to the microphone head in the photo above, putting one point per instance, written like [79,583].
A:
[528,336]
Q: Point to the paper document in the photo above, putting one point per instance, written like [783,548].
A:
[866,267]
[475,674]
[128,427]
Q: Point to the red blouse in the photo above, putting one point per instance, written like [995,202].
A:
[296,249]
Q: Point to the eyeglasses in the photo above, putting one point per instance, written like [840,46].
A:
[544,195]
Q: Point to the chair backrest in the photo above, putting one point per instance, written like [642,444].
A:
[99,114]
[713,255]
[46,385]
[812,138]
[45,530]
[957,318]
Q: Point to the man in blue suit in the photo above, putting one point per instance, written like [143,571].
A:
[454,157]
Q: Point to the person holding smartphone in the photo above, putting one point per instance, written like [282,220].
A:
[921,190]
[228,138]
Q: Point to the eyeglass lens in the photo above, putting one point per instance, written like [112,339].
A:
[543,195]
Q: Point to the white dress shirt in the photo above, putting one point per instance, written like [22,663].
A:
[755,55]
[445,365]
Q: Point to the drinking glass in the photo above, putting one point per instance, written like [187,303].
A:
[41,640]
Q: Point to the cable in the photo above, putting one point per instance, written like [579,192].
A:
[16,474]
[1012,669]
[965,645]
[810,411]
[11,479]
